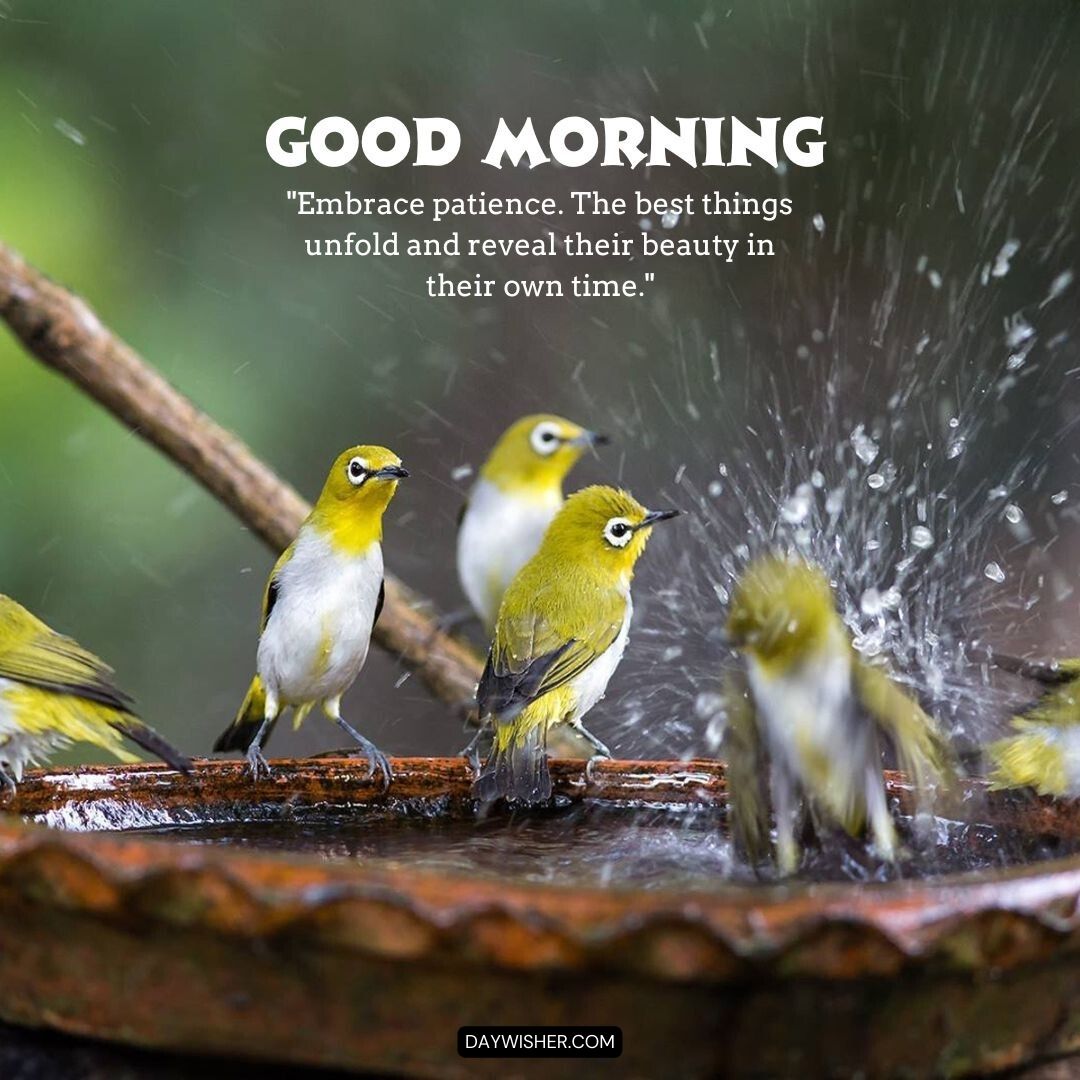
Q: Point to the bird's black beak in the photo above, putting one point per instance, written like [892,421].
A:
[391,472]
[653,516]
[589,438]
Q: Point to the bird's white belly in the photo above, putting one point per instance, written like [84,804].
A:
[317,638]
[814,700]
[499,534]
[591,685]
[17,748]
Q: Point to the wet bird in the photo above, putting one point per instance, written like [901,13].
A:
[807,720]
[1044,752]
[518,493]
[561,632]
[53,692]
[320,606]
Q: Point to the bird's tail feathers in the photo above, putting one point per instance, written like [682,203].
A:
[240,734]
[146,737]
[517,769]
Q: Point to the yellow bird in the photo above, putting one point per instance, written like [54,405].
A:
[321,603]
[811,716]
[53,692]
[1044,752]
[518,492]
[561,632]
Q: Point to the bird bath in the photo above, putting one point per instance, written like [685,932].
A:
[310,919]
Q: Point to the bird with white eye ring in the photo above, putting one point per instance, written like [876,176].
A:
[518,492]
[321,603]
[561,632]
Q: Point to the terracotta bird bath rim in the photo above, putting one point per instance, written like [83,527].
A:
[122,898]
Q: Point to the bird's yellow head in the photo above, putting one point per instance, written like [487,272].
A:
[782,610]
[359,488]
[536,453]
[604,528]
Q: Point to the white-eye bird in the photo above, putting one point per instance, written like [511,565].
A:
[53,692]
[518,492]
[561,632]
[811,717]
[321,603]
[1044,752]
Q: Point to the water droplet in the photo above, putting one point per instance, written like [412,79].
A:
[1058,498]
[875,481]
[69,132]
[795,508]
[956,448]
[1013,514]
[870,603]
[994,572]
[921,537]
[817,478]
[1003,259]
[866,450]
[707,704]
[461,472]
[1060,284]
[716,489]
[934,278]
[669,219]
[819,224]
[645,224]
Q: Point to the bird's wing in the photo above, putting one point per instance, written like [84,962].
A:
[922,750]
[273,585]
[1048,672]
[533,655]
[746,769]
[380,602]
[32,653]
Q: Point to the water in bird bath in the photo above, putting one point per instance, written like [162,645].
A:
[594,844]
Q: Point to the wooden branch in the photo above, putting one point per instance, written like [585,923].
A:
[60,330]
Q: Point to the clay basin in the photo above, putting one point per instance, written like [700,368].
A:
[311,919]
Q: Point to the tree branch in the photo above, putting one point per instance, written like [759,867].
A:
[60,330]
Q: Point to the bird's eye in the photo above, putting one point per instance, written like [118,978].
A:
[545,438]
[356,471]
[617,532]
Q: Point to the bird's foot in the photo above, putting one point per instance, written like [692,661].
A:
[257,765]
[590,765]
[471,753]
[376,759]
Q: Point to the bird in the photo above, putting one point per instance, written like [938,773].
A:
[53,692]
[561,632]
[807,718]
[1044,751]
[322,601]
[518,493]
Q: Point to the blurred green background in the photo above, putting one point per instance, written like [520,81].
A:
[132,168]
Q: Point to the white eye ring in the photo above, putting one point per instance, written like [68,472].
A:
[357,471]
[545,438]
[618,532]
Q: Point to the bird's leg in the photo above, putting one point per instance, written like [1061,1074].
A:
[256,763]
[375,757]
[881,822]
[787,847]
[600,750]
[8,781]
[471,753]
